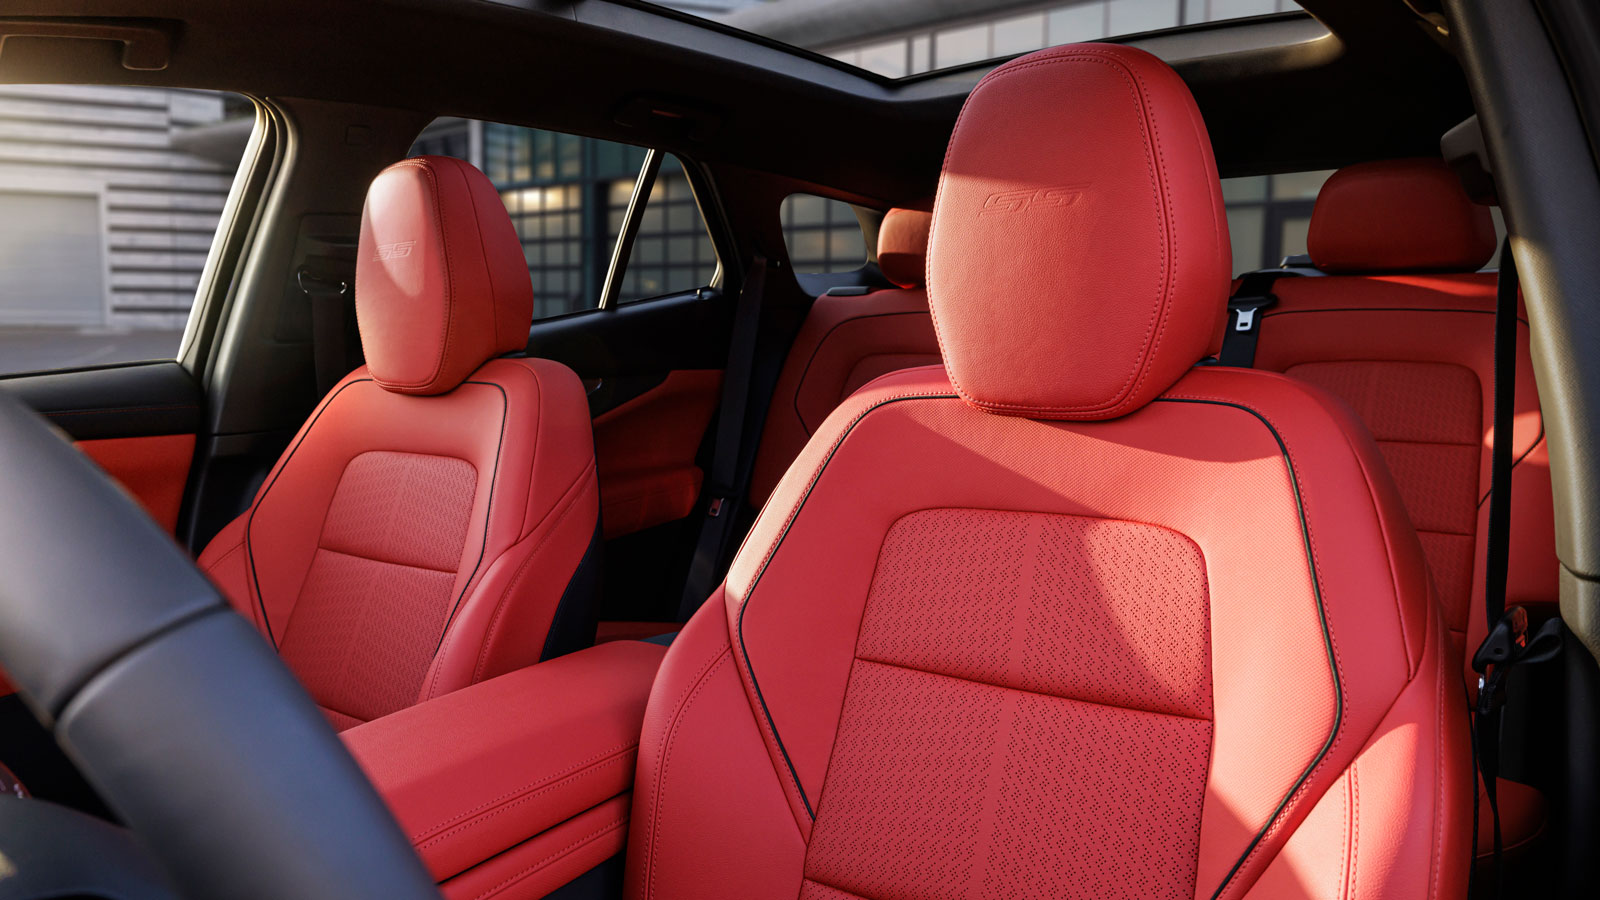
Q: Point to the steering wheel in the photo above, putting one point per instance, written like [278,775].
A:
[170,704]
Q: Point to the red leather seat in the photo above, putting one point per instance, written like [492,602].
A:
[846,342]
[434,523]
[1078,618]
[1402,329]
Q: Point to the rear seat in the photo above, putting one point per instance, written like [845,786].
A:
[1402,328]
[847,341]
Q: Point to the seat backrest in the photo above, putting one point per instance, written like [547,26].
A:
[434,522]
[1069,615]
[845,342]
[1402,329]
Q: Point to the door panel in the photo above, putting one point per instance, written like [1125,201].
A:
[153,469]
[137,421]
[645,449]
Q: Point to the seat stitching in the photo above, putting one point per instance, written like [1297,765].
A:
[578,844]
[1006,687]
[530,792]
[686,699]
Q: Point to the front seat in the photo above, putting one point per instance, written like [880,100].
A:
[435,521]
[1078,619]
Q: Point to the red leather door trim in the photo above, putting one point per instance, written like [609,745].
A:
[153,469]
[645,451]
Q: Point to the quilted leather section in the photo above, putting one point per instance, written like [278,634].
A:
[990,714]
[381,583]
[1428,422]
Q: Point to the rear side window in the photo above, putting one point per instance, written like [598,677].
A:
[109,200]
[568,197]
[1269,216]
[822,235]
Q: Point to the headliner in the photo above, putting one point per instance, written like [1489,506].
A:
[1380,85]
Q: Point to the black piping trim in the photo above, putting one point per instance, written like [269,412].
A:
[1350,309]
[488,512]
[250,518]
[795,402]
[751,594]
[1316,587]
[1327,636]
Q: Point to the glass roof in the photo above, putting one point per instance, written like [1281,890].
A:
[904,38]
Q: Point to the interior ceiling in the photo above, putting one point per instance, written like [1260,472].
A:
[1383,87]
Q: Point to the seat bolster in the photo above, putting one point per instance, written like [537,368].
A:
[223,561]
[542,521]
[1399,811]
[722,823]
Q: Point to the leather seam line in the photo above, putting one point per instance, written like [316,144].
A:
[113,410]
[1327,636]
[570,500]
[686,699]
[744,607]
[488,517]
[387,562]
[801,383]
[835,888]
[486,811]
[1033,693]
[283,466]
[557,855]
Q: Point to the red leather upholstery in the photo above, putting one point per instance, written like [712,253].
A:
[1399,215]
[1159,655]
[1413,355]
[1130,228]
[525,753]
[903,246]
[646,447]
[153,469]
[411,542]
[441,281]
[846,342]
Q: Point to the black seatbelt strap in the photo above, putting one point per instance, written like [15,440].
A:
[1244,318]
[724,490]
[1508,642]
[328,331]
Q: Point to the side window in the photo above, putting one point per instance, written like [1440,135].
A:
[1269,216]
[109,200]
[822,235]
[568,197]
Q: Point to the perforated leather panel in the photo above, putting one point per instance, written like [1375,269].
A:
[381,584]
[1427,418]
[990,713]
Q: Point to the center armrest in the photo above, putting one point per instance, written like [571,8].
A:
[483,769]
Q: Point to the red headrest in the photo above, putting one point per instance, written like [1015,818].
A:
[441,282]
[1398,215]
[1079,262]
[903,246]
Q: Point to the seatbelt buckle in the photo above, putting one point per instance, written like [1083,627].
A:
[715,508]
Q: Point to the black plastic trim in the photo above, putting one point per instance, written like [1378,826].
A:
[577,614]
[125,400]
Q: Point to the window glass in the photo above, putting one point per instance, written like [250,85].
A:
[109,200]
[568,196]
[822,235]
[1269,215]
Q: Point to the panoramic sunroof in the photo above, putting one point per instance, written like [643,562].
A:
[904,38]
